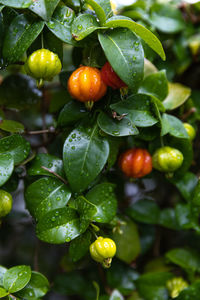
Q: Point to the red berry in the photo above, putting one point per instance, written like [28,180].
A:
[136,163]
[110,78]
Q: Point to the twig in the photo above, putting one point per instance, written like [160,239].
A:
[49,130]
[188,113]
[54,173]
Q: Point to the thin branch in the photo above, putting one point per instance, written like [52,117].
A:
[49,130]
[188,113]
[54,173]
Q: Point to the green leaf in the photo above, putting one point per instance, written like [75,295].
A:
[16,146]
[186,259]
[25,91]
[122,277]
[195,199]
[173,126]
[184,216]
[149,68]
[168,219]
[6,167]
[11,126]
[59,226]
[102,196]
[86,211]
[177,95]
[51,162]
[115,127]
[192,292]
[155,84]
[16,278]
[127,241]
[37,287]
[72,112]
[84,25]
[60,23]
[45,195]
[80,246]
[145,211]
[44,8]
[138,110]
[2,272]
[102,9]
[124,45]
[149,38]
[186,185]
[114,145]
[17,3]
[3,292]
[80,164]
[20,35]
[116,295]
[54,44]
[153,285]
[167,18]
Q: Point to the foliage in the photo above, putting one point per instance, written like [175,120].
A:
[60,160]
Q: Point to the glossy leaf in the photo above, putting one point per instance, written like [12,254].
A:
[86,211]
[48,161]
[138,110]
[122,277]
[168,219]
[153,285]
[2,272]
[115,127]
[60,23]
[167,18]
[20,35]
[102,196]
[155,84]
[37,287]
[55,45]
[17,3]
[3,292]
[127,234]
[186,259]
[11,126]
[45,195]
[72,112]
[80,246]
[83,25]
[102,9]
[16,278]
[196,196]
[192,292]
[177,95]
[145,211]
[184,216]
[114,145]
[124,45]
[149,68]
[80,164]
[173,126]
[16,146]
[149,38]
[44,8]
[186,184]
[6,167]
[25,91]
[59,226]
